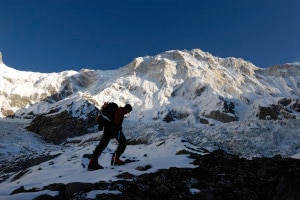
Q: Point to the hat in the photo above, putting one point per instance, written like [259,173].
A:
[128,107]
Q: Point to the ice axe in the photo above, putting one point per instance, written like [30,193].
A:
[115,152]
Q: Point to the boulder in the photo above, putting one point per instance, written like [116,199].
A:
[221,116]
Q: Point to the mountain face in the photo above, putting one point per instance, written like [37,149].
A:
[184,102]
[194,87]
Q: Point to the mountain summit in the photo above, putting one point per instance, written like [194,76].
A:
[172,68]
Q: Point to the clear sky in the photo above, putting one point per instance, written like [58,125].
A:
[58,35]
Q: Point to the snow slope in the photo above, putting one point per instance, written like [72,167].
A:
[160,143]
[160,153]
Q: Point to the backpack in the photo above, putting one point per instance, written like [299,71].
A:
[106,116]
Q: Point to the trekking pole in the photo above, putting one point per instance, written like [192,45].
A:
[116,152]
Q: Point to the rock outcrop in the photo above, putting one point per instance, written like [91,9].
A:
[286,108]
[55,127]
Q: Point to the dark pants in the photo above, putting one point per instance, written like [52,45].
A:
[110,133]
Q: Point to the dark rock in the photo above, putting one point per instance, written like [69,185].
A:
[229,107]
[173,115]
[220,116]
[77,189]
[296,106]
[280,111]
[18,190]
[271,112]
[204,121]
[56,128]
[47,197]
[137,141]
[23,190]
[143,168]
[101,185]
[199,91]
[20,174]
[55,187]
[126,175]
[285,101]
[225,115]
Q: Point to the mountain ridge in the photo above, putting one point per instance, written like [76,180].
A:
[179,85]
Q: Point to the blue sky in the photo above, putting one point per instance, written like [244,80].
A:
[58,35]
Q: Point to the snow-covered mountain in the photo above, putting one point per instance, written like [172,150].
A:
[174,85]
[193,88]
[187,101]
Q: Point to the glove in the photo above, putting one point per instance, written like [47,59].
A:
[100,127]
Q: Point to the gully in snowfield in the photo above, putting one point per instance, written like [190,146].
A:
[111,118]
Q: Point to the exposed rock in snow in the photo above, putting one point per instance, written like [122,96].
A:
[58,125]
[219,175]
